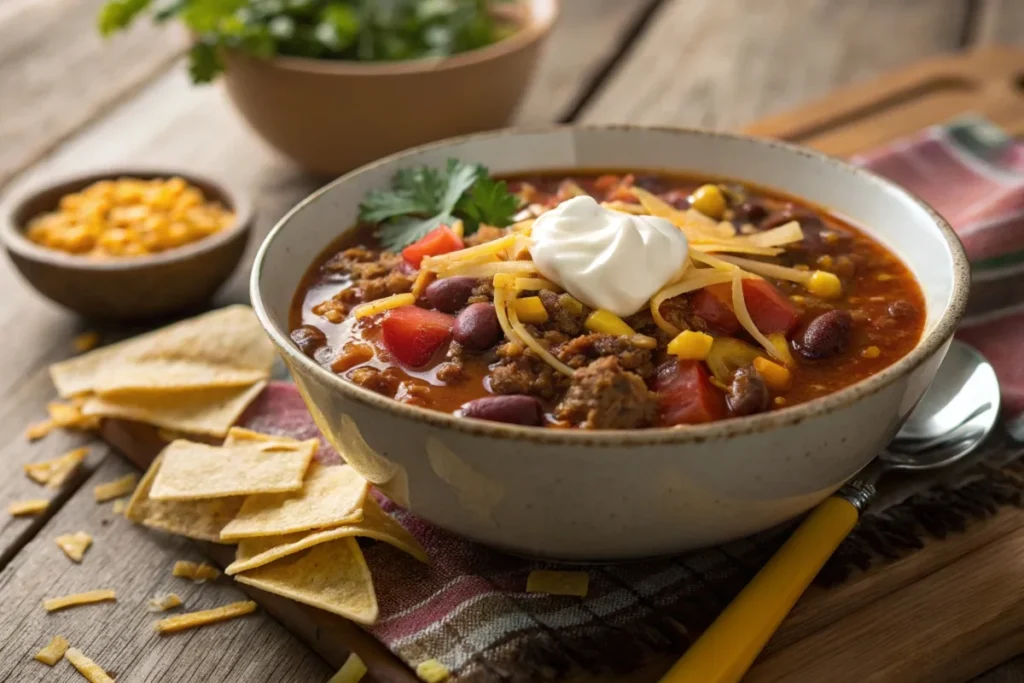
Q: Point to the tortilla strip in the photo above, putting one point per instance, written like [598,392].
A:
[53,652]
[76,599]
[189,620]
[92,671]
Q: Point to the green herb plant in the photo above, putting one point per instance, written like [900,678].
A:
[353,30]
[422,198]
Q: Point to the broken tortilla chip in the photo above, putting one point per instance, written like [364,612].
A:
[162,603]
[331,576]
[38,430]
[24,508]
[332,495]
[53,652]
[191,470]
[242,435]
[70,416]
[92,671]
[352,671]
[189,620]
[208,412]
[558,582]
[115,489]
[55,471]
[75,599]
[199,519]
[376,524]
[200,573]
[432,671]
[74,545]
[222,348]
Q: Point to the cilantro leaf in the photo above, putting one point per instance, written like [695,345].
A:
[203,62]
[119,14]
[422,198]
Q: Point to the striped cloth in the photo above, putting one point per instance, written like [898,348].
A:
[470,610]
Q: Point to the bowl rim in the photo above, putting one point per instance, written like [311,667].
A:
[536,26]
[930,343]
[12,235]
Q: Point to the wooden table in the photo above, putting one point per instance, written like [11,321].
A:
[69,101]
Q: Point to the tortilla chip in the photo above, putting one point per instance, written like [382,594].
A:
[191,470]
[331,576]
[208,411]
[24,508]
[55,471]
[558,582]
[222,348]
[199,519]
[162,603]
[332,496]
[376,524]
[242,435]
[189,620]
[53,652]
[38,430]
[87,341]
[432,671]
[70,416]
[200,573]
[352,671]
[88,668]
[74,545]
[75,599]
[115,489]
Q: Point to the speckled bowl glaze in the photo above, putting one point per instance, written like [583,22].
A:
[579,495]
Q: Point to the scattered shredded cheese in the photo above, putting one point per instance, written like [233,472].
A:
[76,599]
[53,652]
[189,620]
[162,603]
[23,508]
[92,671]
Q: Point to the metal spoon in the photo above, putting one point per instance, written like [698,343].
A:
[954,417]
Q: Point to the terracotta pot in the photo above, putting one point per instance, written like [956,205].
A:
[331,116]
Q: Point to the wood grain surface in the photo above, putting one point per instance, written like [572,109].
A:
[69,102]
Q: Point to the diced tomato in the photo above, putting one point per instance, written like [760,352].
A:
[436,242]
[686,394]
[769,308]
[413,334]
[714,306]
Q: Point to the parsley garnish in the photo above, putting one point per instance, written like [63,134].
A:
[420,199]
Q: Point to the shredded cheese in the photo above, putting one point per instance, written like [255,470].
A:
[739,306]
[769,269]
[422,280]
[535,345]
[490,269]
[787,233]
[534,284]
[481,253]
[736,248]
[694,280]
[501,309]
[385,304]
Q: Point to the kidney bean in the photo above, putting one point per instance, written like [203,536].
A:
[513,409]
[902,309]
[308,339]
[748,394]
[450,294]
[750,211]
[477,327]
[825,336]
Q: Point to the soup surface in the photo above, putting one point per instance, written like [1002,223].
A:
[667,301]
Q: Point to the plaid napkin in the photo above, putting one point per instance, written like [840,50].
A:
[470,610]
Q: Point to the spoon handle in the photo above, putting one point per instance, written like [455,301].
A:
[727,649]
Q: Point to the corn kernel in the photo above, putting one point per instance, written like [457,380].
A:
[774,375]
[779,401]
[606,322]
[884,277]
[824,284]
[690,345]
[871,352]
[530,309]
[708,199]
[825,262]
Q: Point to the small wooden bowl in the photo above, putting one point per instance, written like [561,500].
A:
[129,288]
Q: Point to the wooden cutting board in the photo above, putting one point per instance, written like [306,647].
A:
[942,615]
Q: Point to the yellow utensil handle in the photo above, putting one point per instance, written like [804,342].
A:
[727,649]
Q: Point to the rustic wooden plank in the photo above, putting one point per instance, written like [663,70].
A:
[56,73]
[136,562]
[723,64]
[999,22]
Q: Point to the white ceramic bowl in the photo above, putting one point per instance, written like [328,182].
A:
[578,495]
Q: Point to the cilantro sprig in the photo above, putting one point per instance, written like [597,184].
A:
[422,198]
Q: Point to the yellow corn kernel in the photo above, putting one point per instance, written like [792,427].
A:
[781,345]
[824,284]
[825,262]
[606,322]
[571,304]
[530,309]
[708,199]
[175,186]
[871,352]
[774,375]
[779,401]
[690,345]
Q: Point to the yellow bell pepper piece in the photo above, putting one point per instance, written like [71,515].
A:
[774,375]
[606,322]
[530,309]
[690,345]
[781,345]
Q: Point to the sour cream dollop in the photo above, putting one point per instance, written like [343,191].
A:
[607,259]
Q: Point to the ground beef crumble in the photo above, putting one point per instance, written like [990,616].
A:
[372,275]
[559,317]
[603,395]
[581,351]
[525,373]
